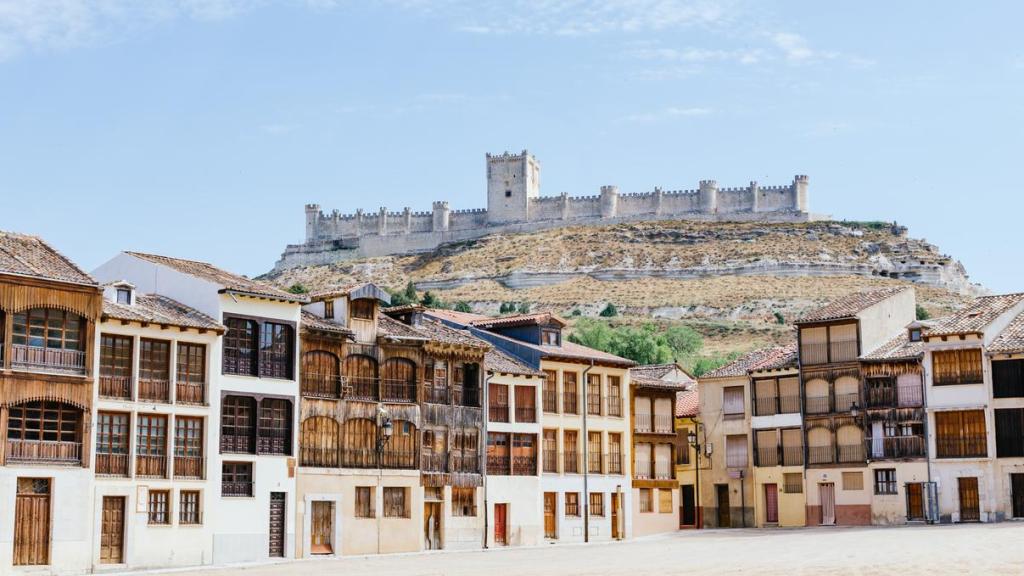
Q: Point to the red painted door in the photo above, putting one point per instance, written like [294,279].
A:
[771,503]
[501,524]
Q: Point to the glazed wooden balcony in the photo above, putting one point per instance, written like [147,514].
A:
[434,462]
[190,467]
[151,466]
[465,463]
[48,452]
[436,395]
[317,385]
[41,359]
[155,390]
[112,465]
[367,458]
[895,447]
[190,393]
[115,387]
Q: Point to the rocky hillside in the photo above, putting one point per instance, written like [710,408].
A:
[733,282]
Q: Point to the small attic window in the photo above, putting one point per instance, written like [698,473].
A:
[329,309]
[915,334]
[552,337]
[508,193]
[362,309]
[124,296]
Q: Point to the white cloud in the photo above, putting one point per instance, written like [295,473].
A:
[666,114]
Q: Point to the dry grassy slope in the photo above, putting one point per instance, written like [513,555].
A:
[733,312]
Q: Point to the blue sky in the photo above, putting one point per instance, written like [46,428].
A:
[200,128]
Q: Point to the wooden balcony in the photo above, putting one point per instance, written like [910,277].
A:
[54,360]
[190,393]
[151,466]
[465,463]
[434,462]
[116,387]
[316,385]
[526,414]
[318,457]
[47,452]
[190,467]
[964,446]
[895,447]
[498,465]
[497,412]
[112,465]
[397,391]
[524,465]
[436,395]
[155,390]
[771,405]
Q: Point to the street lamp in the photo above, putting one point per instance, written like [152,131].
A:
[384,431]
[694,441]
[854,410]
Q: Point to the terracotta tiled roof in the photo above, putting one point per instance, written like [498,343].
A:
[781,357]
[760,359]
[439,332]
[976,316]
[653,370]
[1011,339]
[518,320]
[899,348]
[573,351]
[314,322]
[688,403]
[333,292]
[389,327]
[227,280]
[851,305]
[465,318]
[644,382]
[652,376]
[157,309]
[26,255]
[498,361]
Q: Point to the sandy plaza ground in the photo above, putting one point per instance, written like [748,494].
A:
[908,551]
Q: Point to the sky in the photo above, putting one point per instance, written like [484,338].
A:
[200,128]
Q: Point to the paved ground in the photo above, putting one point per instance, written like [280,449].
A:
[907,551]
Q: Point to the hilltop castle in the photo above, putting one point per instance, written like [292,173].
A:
[514,204]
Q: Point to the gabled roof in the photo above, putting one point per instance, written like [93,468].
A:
[655,370]
[652,376]
[518,320]
[464,318]
[228,281]
[24,255]
[313,322]
[1011,339]
[438,332]
[851,305]
[977,315]
[780,358]
[391,328]
[688,403]
[497,361]
[157,309]
[898,348]
[760,359]
[353,291]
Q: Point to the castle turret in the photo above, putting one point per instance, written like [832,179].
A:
[755,196]
[800,191]
[442,215]
[512,181]
[708,196]
[609,201]
[312,221]
[382,221]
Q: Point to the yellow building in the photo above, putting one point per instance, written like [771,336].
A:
[688,420]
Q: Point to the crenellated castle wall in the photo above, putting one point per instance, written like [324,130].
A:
[514,205]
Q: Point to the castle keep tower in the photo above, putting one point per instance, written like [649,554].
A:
[512,180]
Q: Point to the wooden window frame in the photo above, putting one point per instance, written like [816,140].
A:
[158,508]
[329,309]
[957,366]
[396,502]
[597,504]
[885,482]
[572,504]
[50,328]
[463,501]
[361,308]
[364,502]
[190,508]
[240,473]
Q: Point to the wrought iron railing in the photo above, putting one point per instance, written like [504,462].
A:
[845,402]
[236,489]
[817,404]
[851,453]
[524,465]
[550,398]
[663,470]
[570,403]
[642,469]
[498,412]
[821,455]
[663,424]
[642,422]
[498,465]
[551,461]
[571,462]
[614,406]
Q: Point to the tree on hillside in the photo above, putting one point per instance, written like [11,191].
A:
[405,296]
[592,333]
[523,308]
[922,313]
[431,301]
[684,341]
[704,364]
[609,311]
[463,306]
[298,289]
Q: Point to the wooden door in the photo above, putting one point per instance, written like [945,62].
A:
[32,522]
[915,501]
[827,495]
[722,492]
[432,525]
[550,515]
[321,528]
[616,534]
[501,524]
[276,533]
[112,531]
[771,503]
[970,507]
[688,513]
[1017,493]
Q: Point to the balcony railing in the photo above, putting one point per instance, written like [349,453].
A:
[642,470]
[766,406]
[910,396]
[570,403]
[551,461]
[789,404]
[614,461]
[526,414]
[317,385]
[844,402]
[44,452]
[434,462]
[663,424]
[242,489]
[550,398]
[465,463]
[663,470]
[362,389]
[436,395]
[498,465]
[851,453]
[467,396]
[792,455]
[155,390]
[642,422]
[817,405]
[151,466]
[238,443]
[780,455]
[47,359]
[119,387]
[821,455]
[614,406]
[498,412]
[190,393]
[767,456]
[397,390]
[318,457]
[736,460]
[966,446]
[571,462]
[367,458]
[895,447]
[831,352]
[111,464]
[594,463]
[189,467]
[524,465]
[881,396]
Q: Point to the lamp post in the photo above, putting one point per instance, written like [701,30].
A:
[384,431]
[694,441]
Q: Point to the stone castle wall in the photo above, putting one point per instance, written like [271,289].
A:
[514,205]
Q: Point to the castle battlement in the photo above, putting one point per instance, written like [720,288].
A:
[514,204]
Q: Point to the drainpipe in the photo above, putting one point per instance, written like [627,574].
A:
[926,492]
[485,412]
[586,459]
